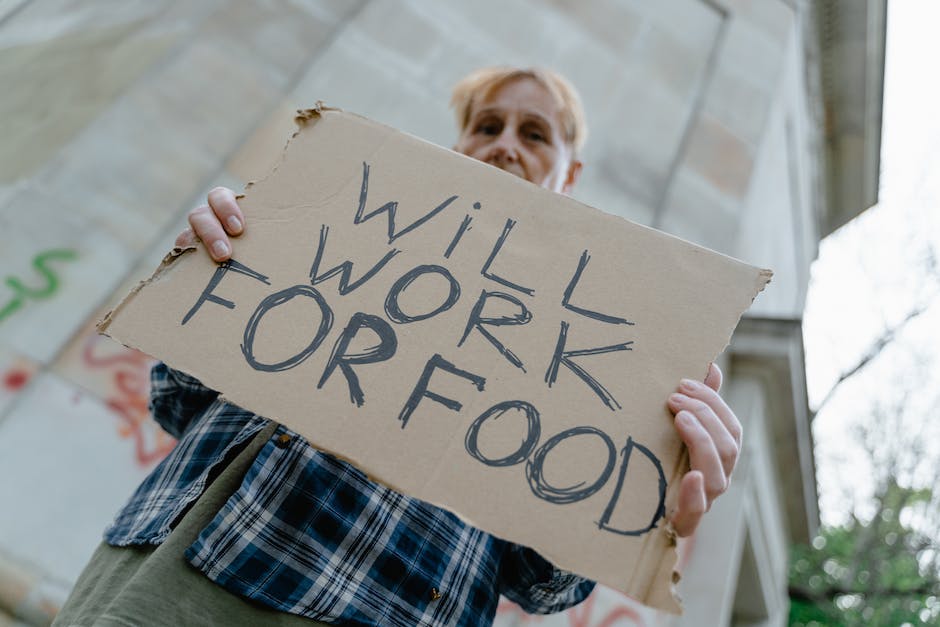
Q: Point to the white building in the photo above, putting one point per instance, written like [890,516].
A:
[751,127]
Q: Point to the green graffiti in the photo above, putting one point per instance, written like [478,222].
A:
[23,293]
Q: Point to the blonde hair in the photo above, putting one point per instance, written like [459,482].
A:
[480,84]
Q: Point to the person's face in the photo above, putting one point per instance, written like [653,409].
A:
[519,129]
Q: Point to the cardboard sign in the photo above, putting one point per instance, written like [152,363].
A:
[462,336]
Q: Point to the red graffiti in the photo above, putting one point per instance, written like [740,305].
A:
[130,370]
[686,548]
[580,615]
[14,380]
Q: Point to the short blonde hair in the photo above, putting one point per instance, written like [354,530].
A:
[480,84]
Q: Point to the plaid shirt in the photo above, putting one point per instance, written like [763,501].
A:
[309,534]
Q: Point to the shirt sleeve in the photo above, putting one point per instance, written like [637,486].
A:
[533,583]
[176,398]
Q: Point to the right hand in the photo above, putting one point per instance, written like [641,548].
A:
[214,223]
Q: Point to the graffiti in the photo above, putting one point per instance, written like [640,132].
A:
[620,614]
[16,379]
[129,373]
[23,293]
[686,549]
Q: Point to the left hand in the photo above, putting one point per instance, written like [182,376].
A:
[712,434]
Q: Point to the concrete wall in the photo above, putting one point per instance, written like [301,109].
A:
[118,117]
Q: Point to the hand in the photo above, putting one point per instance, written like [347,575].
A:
[712,433]
[213,223]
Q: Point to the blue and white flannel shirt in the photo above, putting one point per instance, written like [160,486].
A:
[309,534]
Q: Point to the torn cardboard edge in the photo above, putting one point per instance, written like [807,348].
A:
[660,588]
[168,260]
[302,119]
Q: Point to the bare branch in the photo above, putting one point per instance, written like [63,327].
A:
[874,350]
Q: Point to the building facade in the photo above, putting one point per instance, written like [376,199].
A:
[750,127]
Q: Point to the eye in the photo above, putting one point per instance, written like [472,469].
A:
[535,136]
[489,127]
[535,133]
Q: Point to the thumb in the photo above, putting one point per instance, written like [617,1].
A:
[714,378]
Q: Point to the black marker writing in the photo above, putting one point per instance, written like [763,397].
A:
[391,209]
[496,248]
[344,269]
[661,506]
[393,309]
[421,388]
[276,300]
[477,321]
[566,300]
[384,350]
[563,357]
[463,228]
[220,272]
[570,494]
[533,431]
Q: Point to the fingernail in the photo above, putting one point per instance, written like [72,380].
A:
[220,248]
[234,225]
[677,398]
[688,384]
[685,418]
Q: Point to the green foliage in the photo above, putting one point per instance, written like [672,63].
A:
[876,572]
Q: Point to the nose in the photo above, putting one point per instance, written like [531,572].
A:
[504,148]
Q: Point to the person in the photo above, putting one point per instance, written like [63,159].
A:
[244,522]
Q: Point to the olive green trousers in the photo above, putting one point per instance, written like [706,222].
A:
[154,585]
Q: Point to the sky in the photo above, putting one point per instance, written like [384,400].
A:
[873,271]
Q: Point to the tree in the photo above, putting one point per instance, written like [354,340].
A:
[882,566]
[875,572]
